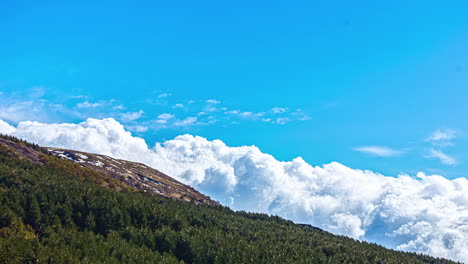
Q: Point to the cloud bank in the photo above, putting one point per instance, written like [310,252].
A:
[424,213]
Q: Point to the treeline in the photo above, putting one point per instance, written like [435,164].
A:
[49,215]
[22,142]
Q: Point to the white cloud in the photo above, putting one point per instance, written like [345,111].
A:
[232,112]
[161,121]
[426,213]
[81,106]
[301,115]
[137,128]
[444,158]
[305,118]
[79,96]
[37,92]
[212,120]
[164,95]
[279,110]
[246,114]
[276,115]
[379,151]
[30,105]
[18,111]
[94,135]
[6,128]
[250,114]
[118,107]
[15,111]
[440,139]
[87,104]
[131,116]
[282,120]
[442,135]
[211,109]
[191,120]
[165,116]
[212,101]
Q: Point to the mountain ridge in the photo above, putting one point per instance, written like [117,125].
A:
[132,174]
[136,175]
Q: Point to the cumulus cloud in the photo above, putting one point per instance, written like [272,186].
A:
[6,128]
[422,213]
[380,151]
[105,136]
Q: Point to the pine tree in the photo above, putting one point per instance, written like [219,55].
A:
[90,222]
[33,215]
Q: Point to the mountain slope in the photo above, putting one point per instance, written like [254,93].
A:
[136,175]
[126,173]
[56,211]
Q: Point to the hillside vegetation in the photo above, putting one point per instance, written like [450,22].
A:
[53,212]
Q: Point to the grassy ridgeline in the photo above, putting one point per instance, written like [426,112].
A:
[49,215]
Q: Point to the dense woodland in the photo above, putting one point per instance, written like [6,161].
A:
[58,212]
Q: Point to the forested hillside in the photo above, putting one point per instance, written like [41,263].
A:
[49,214]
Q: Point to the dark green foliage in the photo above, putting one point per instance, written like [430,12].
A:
[33,216]
[23,142]
[48,215]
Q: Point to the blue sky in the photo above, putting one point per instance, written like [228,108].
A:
[379,86]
